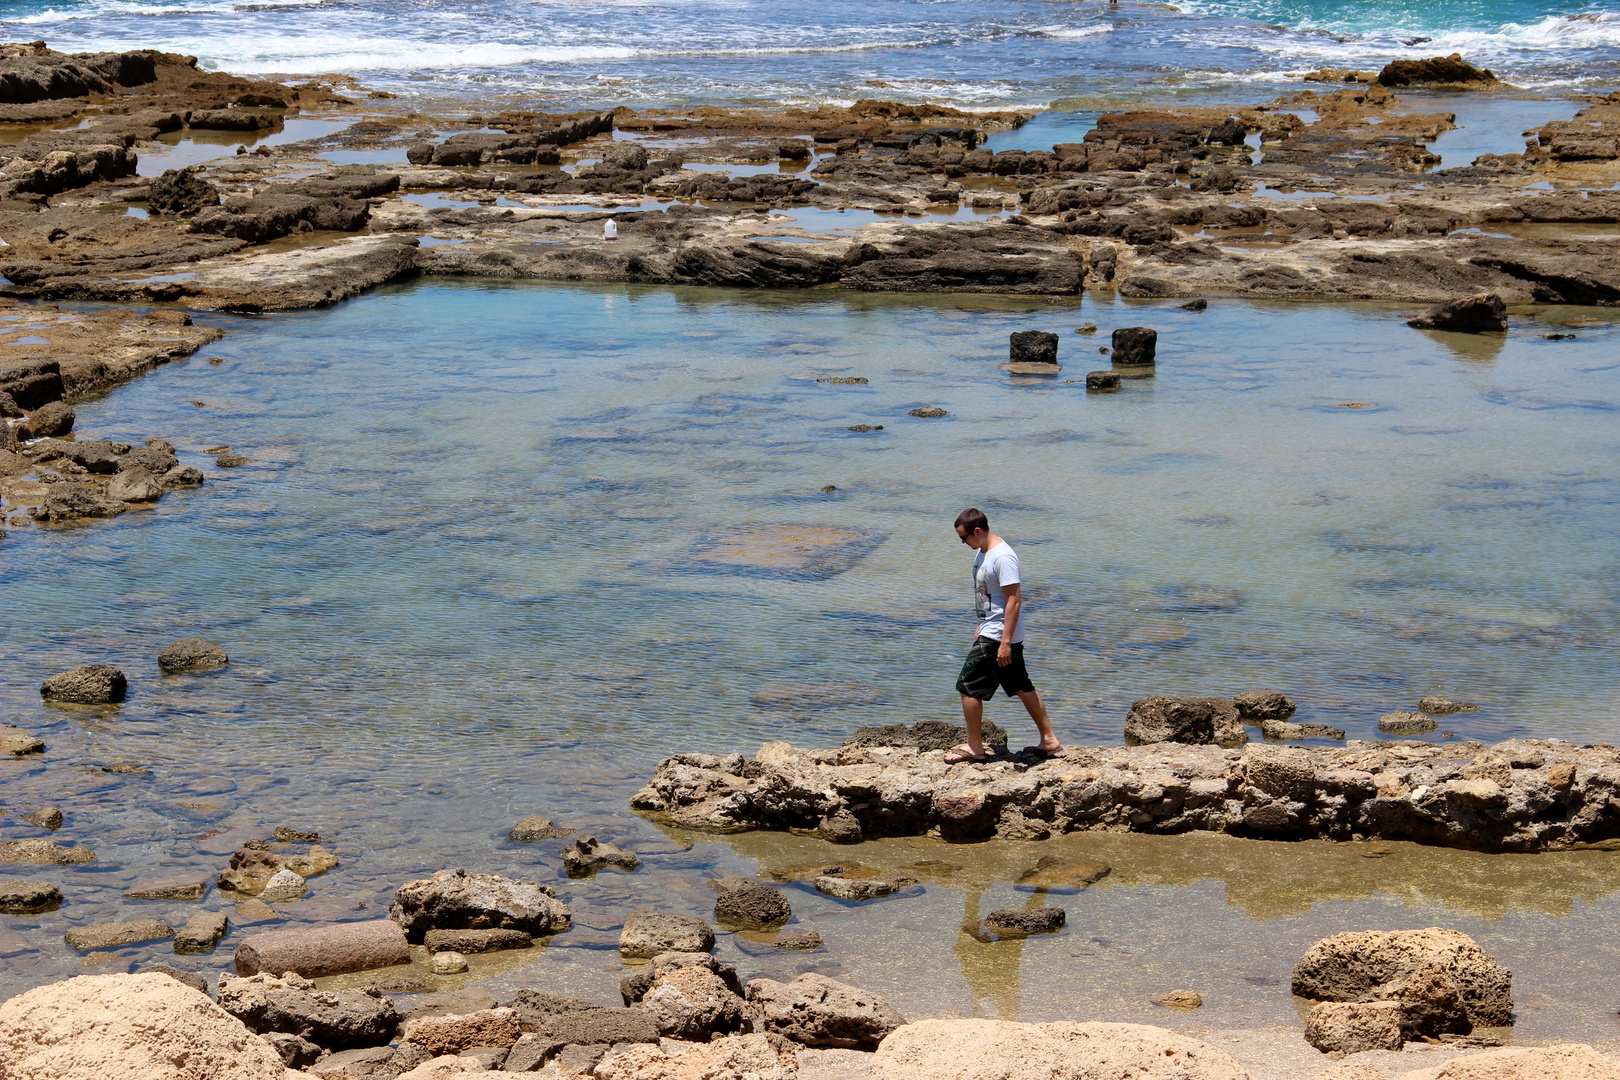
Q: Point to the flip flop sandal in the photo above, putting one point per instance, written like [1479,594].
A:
[962,754]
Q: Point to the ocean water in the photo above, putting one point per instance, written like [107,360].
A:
[475,569]
[971,53]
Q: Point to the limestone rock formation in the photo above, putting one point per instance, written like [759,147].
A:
[94,684]
[1349,967]
[457,900]
[146,1026]
[1007,1050]
[818,1011]
[647,933]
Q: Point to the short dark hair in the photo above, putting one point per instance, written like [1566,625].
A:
[971,520]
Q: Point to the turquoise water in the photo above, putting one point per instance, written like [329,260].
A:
[974,53]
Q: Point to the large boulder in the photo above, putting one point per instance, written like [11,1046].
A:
[1569,1061]
[647,933]
[754,1057]
[1348,967]
[1450,70]
[1007,1050]
[1481,313]
[818,1011]
[1169,718]
[146,1025]
[94,684]
[457,900]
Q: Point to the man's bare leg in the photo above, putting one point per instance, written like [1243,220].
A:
[973,713]
[1037,712]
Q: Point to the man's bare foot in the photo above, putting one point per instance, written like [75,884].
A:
[962,753]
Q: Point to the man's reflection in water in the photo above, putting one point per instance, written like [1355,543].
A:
[991,965]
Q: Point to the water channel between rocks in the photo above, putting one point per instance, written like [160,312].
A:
[498,549]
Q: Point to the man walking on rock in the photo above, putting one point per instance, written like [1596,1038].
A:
[997,656]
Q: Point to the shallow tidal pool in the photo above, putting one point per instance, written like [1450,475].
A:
[500,547]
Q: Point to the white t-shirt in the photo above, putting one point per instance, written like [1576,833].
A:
[993,570]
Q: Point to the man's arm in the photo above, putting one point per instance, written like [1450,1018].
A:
[1015,604]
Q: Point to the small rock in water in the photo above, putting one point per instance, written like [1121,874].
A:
[201,933]
[867,427]
[752,907]
[1284,731]
[28,897]
[1102,382]
[283,885]
[1033,347]
[1021,922]
[193,654]
[1439,706]
[17,742]
[230,461]
[44,851]
[1087,328]
[1199,304]
[1481,313]
[1104,350]
[1258,705]
[648,933]
[829,489]
[475,941]
[448,963]
[843,380]
[457,900]
[47,818]
[841,828]
[804,941]
[928,412]
[1402,722]
[588,854]
[135,485]
[1559,337]
[1180,999]
[255,909]
[858,888]
[115,935]
[1135,345]
[94,684]
[184,476]
[534,828]
[167,890]
[286,834]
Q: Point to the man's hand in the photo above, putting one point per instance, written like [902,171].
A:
[1004,654]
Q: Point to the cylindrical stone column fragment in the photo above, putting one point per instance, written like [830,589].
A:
[315,951]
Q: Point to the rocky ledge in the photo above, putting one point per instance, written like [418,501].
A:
[1520,795]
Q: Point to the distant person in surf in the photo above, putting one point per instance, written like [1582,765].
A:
[610,231]
[997,657]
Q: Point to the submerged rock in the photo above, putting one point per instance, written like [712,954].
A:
[19,897]
[44,851]
[534,828]
[448,962]
[194,654]
[845,888]
[17,742]
[587,854]
[1439,706]
[476,941]
[1020,922]
[116,935]
[47,817]
[202,932]
[94,684]
[1402,722]
[804,941]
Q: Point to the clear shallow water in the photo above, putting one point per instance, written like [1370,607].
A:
[975,53]
[463,578]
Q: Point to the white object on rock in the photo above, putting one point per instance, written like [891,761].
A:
[134,1027]
[283,885]
[1007,1050]
[610,230]
[448,963]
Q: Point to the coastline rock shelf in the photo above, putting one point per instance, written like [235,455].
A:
[1521,795]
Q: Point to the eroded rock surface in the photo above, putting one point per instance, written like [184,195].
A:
[1521,795]
[976,1049]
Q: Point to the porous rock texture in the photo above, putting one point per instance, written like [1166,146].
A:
[647,933]
[94,684]
[818,1011]
[1570,1061]
[735,1057]
[457,900]
[143,1027]
[752,906]
[455,1034]
[1342,1027]
[1008,1050]
[191,654]
[1520,795]
[1351,966]
[335,1019]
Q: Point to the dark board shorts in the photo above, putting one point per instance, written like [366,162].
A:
[981,675]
